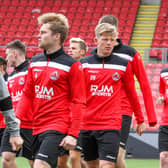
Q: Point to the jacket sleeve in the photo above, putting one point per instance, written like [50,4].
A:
[129,85]
[7,110]
[24,107]
[140,73]
[162,87]
[76,80]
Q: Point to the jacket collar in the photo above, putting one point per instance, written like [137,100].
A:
[21,66]
[54,54]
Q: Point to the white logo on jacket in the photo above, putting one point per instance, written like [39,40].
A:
[21,81]
[103,91]
[116,76]
[54,75]
[42,92]
[16,95]
[92,77]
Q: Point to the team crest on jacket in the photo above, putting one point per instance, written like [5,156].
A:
[80,67]
[54,75]
[116,76]
[21,81]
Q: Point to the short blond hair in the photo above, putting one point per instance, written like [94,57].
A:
[105,28]
[81,42]
[58,23]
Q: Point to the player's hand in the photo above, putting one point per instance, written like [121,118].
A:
[68,142]
[18,121]
[140,128]
[16,142]
[160,100]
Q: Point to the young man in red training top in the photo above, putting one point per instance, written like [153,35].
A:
[163,129]
[16,57]
[53,83]
[105,74]
[129,53]
[3,66]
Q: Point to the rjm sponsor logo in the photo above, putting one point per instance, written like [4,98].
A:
[16,95]
[42,92]
[103,91]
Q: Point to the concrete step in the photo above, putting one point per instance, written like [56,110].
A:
[143,31]
[145,28]
[145,19]
[146,13]
[149,7]
[142,35]
[142,38]
[141,51]
[146,22]
[150,10]
[144,25]
[140,45]
[140,42]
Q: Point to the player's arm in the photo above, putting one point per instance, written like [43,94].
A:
[129,86]
[139,71]
[26,100]
[9,115]
[76,81]
[7,109]
[161,98]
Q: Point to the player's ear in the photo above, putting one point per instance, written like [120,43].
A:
[82,52]
[95,40]
[15,53]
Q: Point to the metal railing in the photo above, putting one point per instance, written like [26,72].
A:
[159,55]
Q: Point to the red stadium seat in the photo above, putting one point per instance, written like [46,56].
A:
[156,43]
[124,10]
[75,3]
[79,16]
[12,9]
[83,3]
[76,22]
[117,4]
[19,34]
[153,53]
[88,15]
[159,65]
[2,33]
[92,3]
[158,36]
[84,28]
[89,9]
[85,22]
[155,79]
[126,4]
[72,10]
[45,9]
[100,4]
[164,43]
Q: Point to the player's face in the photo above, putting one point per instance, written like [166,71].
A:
[11,57]
[105,44]
[74,50]
[45,38]
[1,69]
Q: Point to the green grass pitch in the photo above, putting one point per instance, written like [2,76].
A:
[131,163]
